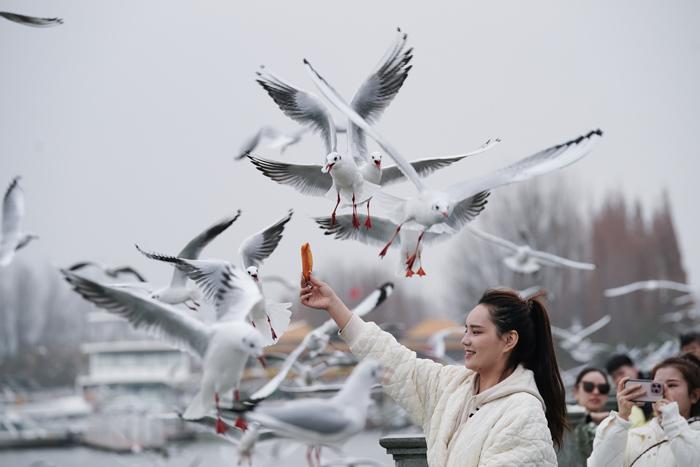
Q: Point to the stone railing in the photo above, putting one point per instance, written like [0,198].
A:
[407,450]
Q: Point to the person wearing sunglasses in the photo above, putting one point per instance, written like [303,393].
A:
[671,438]
[591,392]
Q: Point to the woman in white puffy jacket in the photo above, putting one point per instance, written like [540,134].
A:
[503,408]
[671,438]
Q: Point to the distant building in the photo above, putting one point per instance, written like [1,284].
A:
[121,360]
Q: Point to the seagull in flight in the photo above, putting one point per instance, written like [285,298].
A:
[272,138]
[409,241]
[434,210]
[177,291]
[577,333]
[212,276]
[535,290]
[108,271]
[345,176]
[365,170]
[13,239]
[317,338]
[525,259]
[32,21]
[321,421]
[648,285]
[437,348]
[223,347]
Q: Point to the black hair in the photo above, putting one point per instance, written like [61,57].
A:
[689,338]
[618,360]
[590,369]
[535,349]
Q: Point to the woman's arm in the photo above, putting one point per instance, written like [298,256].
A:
[610,442]
[684,441]
[416,384]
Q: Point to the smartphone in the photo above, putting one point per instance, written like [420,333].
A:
[654,390]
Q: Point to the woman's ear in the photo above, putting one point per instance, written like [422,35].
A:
[695,396]
[511,340]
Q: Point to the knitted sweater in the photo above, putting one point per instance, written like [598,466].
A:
[504,425]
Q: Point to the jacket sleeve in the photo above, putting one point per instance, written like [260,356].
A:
[416,384]
[520,439]
[684,441]
[610,442]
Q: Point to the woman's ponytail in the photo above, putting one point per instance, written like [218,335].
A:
[543,363]
[535,349]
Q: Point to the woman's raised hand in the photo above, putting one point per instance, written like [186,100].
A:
[626,396]
[316,294]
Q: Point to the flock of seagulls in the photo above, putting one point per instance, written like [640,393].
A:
[356,176]
[353,177]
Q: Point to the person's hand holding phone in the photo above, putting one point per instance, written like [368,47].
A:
[626,397]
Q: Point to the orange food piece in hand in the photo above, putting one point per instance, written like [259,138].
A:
[307,261]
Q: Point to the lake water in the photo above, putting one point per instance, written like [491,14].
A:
[202,453]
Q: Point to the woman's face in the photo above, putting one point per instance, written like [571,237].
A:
[483,348]
[593,401]
[676,389]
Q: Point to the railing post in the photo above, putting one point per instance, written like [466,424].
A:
[407,450]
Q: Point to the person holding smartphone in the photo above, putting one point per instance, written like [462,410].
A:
[672,437]
[505,406]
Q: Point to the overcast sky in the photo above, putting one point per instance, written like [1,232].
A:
[123,121]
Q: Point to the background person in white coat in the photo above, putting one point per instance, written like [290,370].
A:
[671,438]
[491,412]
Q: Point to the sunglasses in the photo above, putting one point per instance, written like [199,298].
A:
[588,387]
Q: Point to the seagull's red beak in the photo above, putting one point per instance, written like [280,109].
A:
[378,164]
[328,168]
[446,214]
[262,361]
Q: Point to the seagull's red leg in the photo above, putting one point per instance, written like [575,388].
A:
[355,217]
[421,271]
[418,253]
[409,265]
[220,425]
[318,455]
[412,259]
[274,334]
[309,450]
[334,210]
[382,253]
[241,424]
[368,221]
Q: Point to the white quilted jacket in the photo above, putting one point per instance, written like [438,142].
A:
[616,445]
[503,426]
